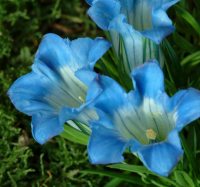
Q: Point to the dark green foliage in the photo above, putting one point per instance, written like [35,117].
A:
[23,161]
[182,71]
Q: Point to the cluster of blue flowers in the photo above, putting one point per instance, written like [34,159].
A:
[63,86]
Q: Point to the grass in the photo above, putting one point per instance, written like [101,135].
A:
[23,161]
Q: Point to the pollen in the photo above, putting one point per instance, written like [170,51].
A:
[81,99]
[151,134]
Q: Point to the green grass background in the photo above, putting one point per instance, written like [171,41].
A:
[23,162]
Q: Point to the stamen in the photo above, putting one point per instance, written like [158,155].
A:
[151,134]
[81,99]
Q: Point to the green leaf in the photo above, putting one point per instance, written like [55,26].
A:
[83,127]
[114,182]
[124,177]
[183,44]
[140,170]
[130,168]
[183,179]
[185,15]
[189,154]
[74,135]
[192,60]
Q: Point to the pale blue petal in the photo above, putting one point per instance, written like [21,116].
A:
[53,87]
[28,92]
[166,4]
[45,126]
[112,94]
[138,13]
[162,26]
[55,53]
[185,105]
[148,79]
[158,34]
[90,1]
[104,119]
[146,16]
[52,82]
[87,51]
[38,96]
[105,146]
[149,17]
[103,11]
[132,43]
[136,48]
[162,157]
[86,76]
[83,114]
[138,115]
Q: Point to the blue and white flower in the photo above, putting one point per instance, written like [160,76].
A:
[55,91]
[136,27]
[145,120]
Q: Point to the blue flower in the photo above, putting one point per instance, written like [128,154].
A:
[56,89]
[136,27]
[145,120]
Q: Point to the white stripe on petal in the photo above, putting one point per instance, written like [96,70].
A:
[144,123]
[68,91]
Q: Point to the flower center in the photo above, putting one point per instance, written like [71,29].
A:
[147,123]
[81,99]
[151,134]
[70,91]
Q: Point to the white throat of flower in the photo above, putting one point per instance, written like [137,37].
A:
[70,91]
[147,123]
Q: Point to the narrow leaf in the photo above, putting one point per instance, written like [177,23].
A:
[185,15]
[74,135]
[124,177]
[183,179]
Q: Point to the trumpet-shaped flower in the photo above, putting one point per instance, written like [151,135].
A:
[145,120]
[136,27]
[56,89]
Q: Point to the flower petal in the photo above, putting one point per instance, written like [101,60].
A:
[186,107]
[88,51]
[86,75]
[148,79]
[161,29]
[105,146]
[162,157]
[138,13]
[90,1]
[56,52]
[38,96]
[44,127]
[138,115]
[132,43]
[136,49]
[112,94]
[146,16]
[166,4]
[30,101]
[53,86]
[149,17]
[103,11]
